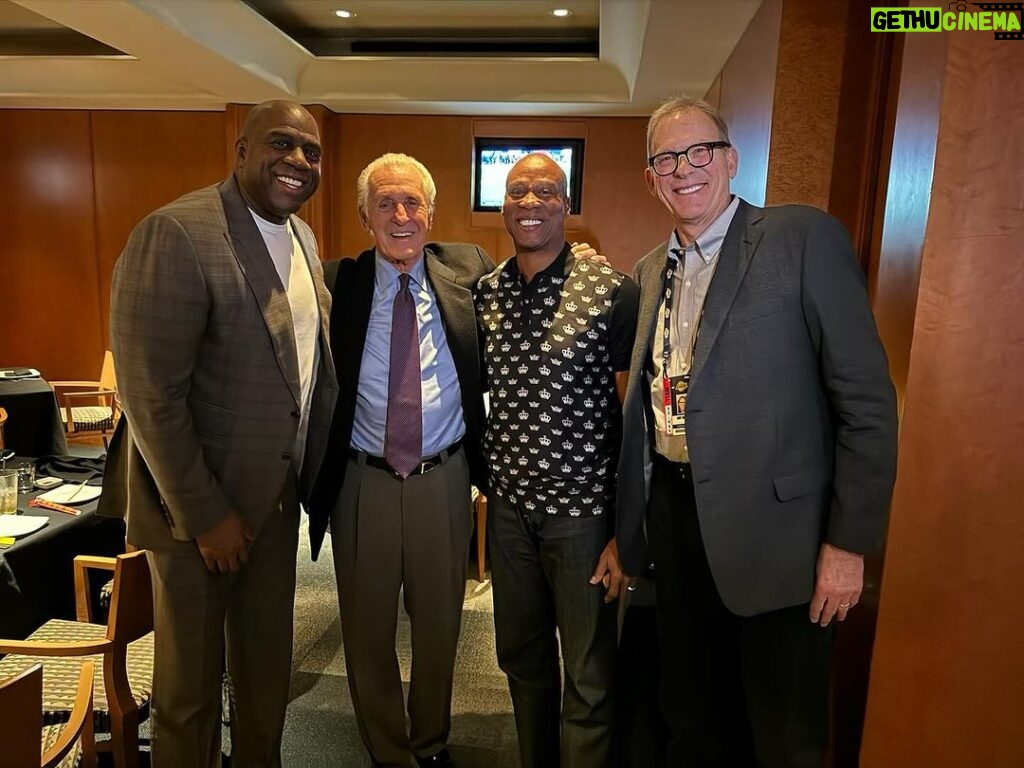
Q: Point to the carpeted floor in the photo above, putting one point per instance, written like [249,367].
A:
[320,729]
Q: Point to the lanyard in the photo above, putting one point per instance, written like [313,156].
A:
[672,264]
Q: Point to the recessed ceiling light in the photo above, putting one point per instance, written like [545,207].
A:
[345,14]
[561,12]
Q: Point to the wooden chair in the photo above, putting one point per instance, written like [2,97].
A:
[3,420]
[27,743]
[89,409]
[480,510]
[124,646]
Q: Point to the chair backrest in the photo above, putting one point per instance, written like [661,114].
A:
[21,701]
[107,376]
[131,603]
[21,726]
[3,420]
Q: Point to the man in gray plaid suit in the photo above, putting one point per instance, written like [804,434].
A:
[219,329]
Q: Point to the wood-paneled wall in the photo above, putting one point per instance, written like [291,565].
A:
[947,680]
[77,184]
[744,92]
[81,180]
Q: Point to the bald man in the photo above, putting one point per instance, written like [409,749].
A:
[556,335]
[218,326]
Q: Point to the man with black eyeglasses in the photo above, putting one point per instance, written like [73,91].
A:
[758,455]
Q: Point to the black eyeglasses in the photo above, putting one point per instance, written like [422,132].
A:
[697,155]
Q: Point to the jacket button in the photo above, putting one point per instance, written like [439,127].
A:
[287,456]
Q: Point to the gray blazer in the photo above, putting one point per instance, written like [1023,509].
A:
[791,416]
[207,371]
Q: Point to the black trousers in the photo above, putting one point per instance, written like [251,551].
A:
[736,691]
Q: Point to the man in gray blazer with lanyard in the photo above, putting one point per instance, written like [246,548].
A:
[219,329]
[404,445]
[759,392]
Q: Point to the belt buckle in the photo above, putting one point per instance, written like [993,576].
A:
[426,466]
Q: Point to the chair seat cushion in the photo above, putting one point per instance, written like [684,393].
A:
[60,674]
[90,417]
[74,756]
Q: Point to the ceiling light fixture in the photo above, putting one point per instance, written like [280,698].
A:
[561,12]
[345,14]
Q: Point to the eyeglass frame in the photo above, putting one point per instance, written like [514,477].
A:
[711,146]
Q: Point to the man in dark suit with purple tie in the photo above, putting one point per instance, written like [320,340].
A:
[404,446]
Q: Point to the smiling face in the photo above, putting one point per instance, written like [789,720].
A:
[277,159]
[398,214]
[535,205]
[694,196]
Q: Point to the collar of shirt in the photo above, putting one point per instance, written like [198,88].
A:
[560,267]
[709,242]
[386,274]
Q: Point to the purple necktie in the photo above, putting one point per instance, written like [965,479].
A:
[403,436]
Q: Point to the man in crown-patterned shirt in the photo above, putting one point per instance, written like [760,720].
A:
[557,334]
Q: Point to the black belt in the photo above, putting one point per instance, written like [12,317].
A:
[428,464]
[683,468]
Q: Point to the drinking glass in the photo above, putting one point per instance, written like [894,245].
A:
[8,491]
[26,477]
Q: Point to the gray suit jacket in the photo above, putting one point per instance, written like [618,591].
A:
[791,416]
[207,371]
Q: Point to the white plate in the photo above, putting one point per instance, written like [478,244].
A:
[20,525]
[72,493]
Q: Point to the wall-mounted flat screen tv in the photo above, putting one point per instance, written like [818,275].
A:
[493,159]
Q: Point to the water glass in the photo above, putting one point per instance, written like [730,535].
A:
[26,477]
[8,491]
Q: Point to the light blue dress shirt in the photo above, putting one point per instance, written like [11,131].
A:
[443,422]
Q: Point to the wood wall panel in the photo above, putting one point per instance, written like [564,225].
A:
[620,215]
[807,80]
[142,161]
[746,89]
[51,304]
[895,263]
[947,682]
[863,139]
[443,144]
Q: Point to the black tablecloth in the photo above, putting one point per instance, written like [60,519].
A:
[33,424]
[37,572]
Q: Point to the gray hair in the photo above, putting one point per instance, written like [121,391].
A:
[394,160]
[678,104]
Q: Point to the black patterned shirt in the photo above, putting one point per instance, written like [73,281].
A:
[551,350]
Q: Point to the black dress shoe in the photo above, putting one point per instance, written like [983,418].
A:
[437,760]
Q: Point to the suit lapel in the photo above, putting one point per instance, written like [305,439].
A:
[323,296]
[738,249]
[254,260]
[457,314]
[353,300]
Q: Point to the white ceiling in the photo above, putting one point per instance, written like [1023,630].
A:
[203,54]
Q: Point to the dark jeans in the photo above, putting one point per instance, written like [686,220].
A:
[737,692]
[541,567]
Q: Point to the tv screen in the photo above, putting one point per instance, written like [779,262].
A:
[494,158]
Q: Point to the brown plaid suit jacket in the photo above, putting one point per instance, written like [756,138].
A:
[207,371]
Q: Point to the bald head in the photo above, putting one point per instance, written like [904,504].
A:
[535,206]
[277,159]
